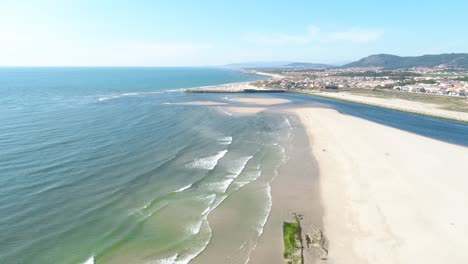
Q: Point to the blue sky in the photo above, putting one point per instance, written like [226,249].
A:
[194,33]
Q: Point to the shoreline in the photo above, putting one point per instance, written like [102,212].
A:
[405,110]
[379,194]
[247,87]
[294,191]
[405,212]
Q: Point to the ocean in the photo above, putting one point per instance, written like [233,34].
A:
[104,165]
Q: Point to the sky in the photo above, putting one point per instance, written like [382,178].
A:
[207,33]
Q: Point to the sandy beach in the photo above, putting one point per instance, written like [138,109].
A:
[399,104]
[388,196]
[379,194]
[272,75]
[261,101]
[200,103]
[294,191]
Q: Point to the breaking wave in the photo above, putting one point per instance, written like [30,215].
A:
[208,163]
[115,96]
[89,261]
[225,140]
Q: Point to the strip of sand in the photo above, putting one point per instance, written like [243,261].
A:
[261,101]
[399,104]
[244,110]
[201,103]
[388,196]
[294,191]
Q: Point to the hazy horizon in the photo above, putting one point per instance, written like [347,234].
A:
[208,33]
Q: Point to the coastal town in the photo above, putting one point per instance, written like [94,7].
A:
[429,80]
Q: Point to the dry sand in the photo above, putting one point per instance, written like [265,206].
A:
[388,196]
[261,101]
[201,103]
[402,105]
[272,75]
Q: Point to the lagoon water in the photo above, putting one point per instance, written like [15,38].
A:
[99,165]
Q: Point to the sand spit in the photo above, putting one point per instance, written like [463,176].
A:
[261,101]
[201,103]
[244,110]
[400,104]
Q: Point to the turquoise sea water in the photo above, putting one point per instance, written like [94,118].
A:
[101,165]
[96,166]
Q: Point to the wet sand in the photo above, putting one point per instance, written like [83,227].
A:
[294,190]
[244,110]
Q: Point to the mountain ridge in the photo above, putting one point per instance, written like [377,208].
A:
[390,61]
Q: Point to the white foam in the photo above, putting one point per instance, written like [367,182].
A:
[219,186]
[89,261]
[169,260]
[183,188]
[208,163]
[225,141]
[129,94]
[249,177]
[208,209]
[263,221]
[186,259]
[217,202]
[286,120]
[195,228]
[238,166]
[225,112]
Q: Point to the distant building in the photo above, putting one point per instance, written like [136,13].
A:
[331,87]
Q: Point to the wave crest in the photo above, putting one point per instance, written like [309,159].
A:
[208,163]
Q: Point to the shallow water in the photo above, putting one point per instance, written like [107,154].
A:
[97,167]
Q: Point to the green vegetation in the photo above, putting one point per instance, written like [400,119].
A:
[292,242]
[454,103]
[395,75]
[387,61]
[290,231]
[410,82]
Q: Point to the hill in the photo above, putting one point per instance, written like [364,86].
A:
[387,61]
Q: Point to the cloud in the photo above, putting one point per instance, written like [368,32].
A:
[314,34]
